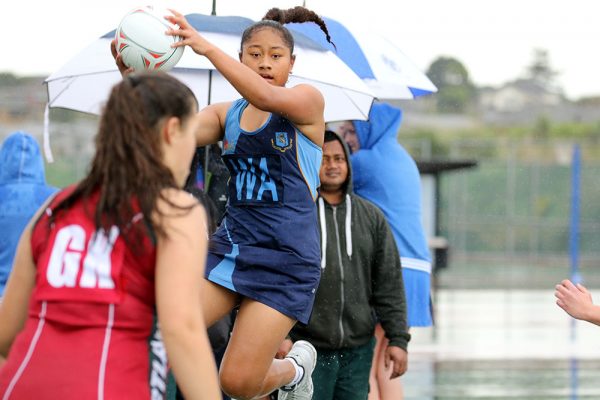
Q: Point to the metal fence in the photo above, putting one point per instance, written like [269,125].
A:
[507,220]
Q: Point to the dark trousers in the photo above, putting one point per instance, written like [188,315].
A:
[343,374]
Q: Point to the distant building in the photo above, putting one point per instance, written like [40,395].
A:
[524,101]
[518,95]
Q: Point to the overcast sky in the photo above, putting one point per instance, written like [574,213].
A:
[493,38]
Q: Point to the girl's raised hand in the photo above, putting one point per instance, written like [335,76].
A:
[189,35]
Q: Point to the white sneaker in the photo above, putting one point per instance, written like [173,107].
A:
[305,355]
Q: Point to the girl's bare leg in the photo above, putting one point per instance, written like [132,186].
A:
[217,301]
[249,369]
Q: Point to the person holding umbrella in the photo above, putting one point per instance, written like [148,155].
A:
[386,174]
[265,256]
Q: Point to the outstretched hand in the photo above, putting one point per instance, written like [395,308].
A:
[123,69]
[396,359]
[189,36]
[574,299]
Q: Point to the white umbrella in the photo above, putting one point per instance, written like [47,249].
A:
[84,82]
[376,59]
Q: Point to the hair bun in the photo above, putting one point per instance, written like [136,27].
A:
[275,14]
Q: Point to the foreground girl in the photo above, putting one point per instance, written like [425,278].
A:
[103,258]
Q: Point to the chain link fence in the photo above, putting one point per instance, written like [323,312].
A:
[507,220]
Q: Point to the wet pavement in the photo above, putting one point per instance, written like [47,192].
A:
[503,344]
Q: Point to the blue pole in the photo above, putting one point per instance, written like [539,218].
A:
[574,220]
[574,253]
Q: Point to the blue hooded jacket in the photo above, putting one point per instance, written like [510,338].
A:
[387,175]
[23,190]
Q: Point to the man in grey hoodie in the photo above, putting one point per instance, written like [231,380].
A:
[361,284]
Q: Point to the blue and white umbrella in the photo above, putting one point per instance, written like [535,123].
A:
[379,62]
[84,82]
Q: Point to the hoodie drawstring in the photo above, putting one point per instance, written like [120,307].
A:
[321,206]
[347,225]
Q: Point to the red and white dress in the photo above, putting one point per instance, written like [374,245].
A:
[90,331]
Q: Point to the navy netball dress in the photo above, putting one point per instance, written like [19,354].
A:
[267,247]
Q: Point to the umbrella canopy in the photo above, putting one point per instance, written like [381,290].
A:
[84,83]
[378,61]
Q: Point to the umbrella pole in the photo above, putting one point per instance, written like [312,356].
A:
[207,148]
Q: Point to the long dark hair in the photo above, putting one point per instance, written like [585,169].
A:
[276,17]
[128,164]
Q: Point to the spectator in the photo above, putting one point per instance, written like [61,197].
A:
[361,279]
[215,187]
[386,174]
[23,190]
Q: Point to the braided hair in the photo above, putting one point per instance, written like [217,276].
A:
[275,19]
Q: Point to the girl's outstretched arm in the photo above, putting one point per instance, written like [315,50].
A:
[13,309]
[180,259]
[303,104]
[14,305]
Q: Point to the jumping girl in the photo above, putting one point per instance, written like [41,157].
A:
[265,256]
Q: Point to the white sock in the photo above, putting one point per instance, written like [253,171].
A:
[299,372]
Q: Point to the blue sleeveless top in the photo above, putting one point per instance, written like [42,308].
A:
[269,237]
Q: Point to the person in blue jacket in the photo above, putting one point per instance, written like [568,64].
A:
[23,189]
[386,174]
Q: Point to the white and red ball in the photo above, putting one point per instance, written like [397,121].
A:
[142,42]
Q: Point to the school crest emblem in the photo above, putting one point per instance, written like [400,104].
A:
[281,142]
